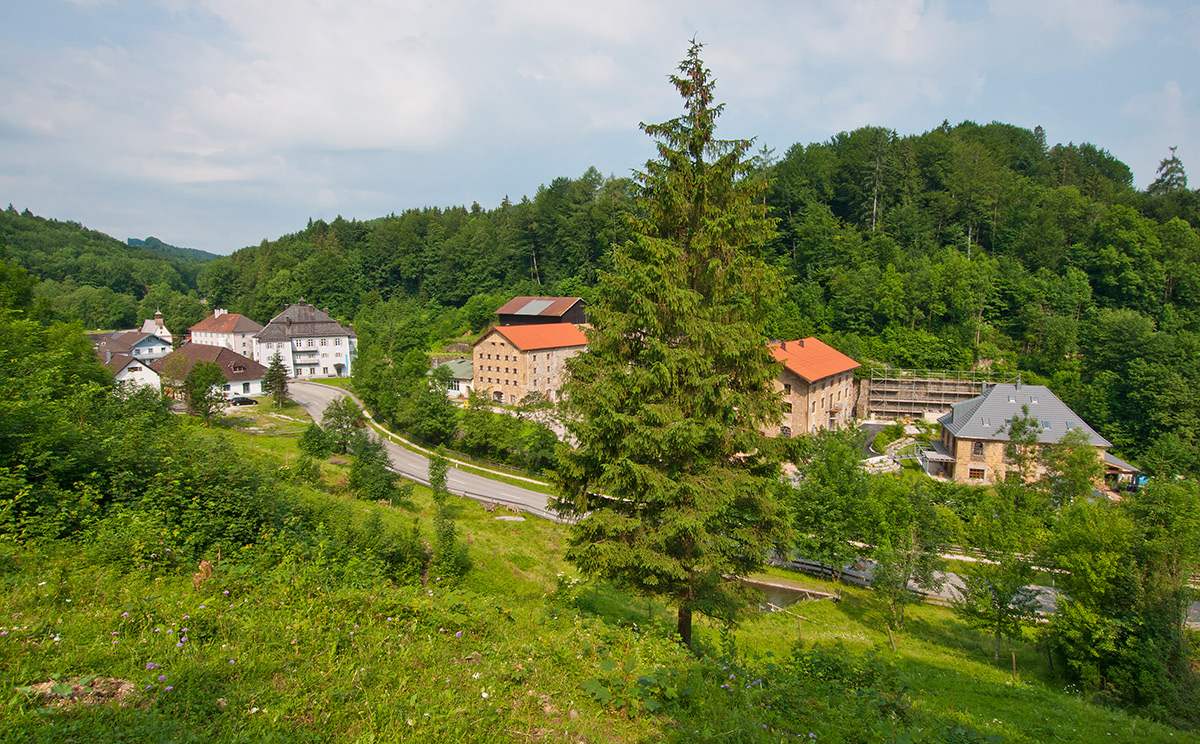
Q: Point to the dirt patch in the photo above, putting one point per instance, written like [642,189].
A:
[82,691]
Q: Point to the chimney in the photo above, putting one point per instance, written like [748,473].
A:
[1018,382]
[801,342]
[783,345]
[219,312]
[107,356]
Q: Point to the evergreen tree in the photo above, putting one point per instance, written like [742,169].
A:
[673,493]
[275,380]
[1171,176]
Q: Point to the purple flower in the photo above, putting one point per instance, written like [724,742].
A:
[152,665]
[172,630]
[162,678]
[458,634]
[225,592]
[169,687]
[202,607]
[187,617]
[178,645]
[124,614]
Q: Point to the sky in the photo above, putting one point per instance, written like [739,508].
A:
[216,124]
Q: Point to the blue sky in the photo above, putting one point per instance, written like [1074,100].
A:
[214,124]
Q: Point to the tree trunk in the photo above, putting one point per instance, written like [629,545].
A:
[684,627]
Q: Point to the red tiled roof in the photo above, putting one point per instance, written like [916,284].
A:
[544,336]
[552,307]
[234,366]
[812,359]
[226,323]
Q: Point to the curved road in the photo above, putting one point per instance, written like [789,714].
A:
[413,465]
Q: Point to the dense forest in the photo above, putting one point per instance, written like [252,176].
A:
[968,246]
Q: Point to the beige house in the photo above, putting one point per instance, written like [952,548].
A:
[817,382]
[511,362]
[974,441]
[231,330]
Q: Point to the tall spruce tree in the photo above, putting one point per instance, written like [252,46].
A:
[673,494]
[275,381]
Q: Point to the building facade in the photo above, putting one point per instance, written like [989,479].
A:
[817,384]
[133,371]
[511,362]
[975,438]
[243,376]
[309,343]
[231,330]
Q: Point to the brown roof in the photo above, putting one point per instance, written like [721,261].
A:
[302,320]
[234,366]
[546,307]
[119,362]
[812,359]
[545,336]
[226,323]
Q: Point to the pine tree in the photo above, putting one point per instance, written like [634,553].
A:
[672,492]
[275,380]
[1171,177]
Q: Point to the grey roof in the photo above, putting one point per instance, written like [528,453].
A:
[302,320]
[461,369]
[1118,463]
[986,416]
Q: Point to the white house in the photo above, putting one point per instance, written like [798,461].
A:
[144,346]
[309,342]
[133,371]
[242,376]
[231,330]
[156,327]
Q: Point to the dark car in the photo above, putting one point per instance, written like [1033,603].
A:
[240,401]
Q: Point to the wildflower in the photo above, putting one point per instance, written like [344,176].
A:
[231,661]
[202,607]
[179,645]
[484,693]
[41,583]
[114,633]
[115,641]
[124,614]
[152,665]
[3,632]
[187,617]
[162,678]
[172,630]
[225,592]
[168,687]
[458,634]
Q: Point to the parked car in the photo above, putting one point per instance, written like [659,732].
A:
[240,401]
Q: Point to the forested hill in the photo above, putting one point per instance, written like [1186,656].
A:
[171,251]
[92,277]
[968,245]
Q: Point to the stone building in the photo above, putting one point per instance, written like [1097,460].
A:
[817,382]
[511,362]
[974,437]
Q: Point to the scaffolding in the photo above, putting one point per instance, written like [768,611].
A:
[914,393]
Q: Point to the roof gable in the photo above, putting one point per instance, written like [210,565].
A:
[986,416]
[547,307]
[302,320]
[226,323]
[812,359]
[234,366]
[544,336]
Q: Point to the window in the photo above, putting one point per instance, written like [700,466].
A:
[1045,424]
[135,369]
[454,385]
[977,449]
[324,370]
[245,387]
[225,387]
[785,432]
[337,342]
[310,342]
[787,387]
[324,342]
[787,407]
[975,473]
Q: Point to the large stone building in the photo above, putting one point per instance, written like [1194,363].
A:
[309,342]
[817,382]
[975,438]
[231,330]
[513,361]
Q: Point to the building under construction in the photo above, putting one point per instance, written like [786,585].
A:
[918,393]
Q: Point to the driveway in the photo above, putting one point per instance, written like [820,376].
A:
[414,465]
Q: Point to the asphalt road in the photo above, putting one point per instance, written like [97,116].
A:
[414,466]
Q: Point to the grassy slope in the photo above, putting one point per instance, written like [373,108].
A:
[274,653]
